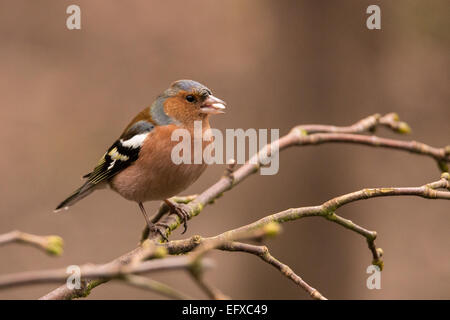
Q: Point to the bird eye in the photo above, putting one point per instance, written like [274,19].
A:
[190,98]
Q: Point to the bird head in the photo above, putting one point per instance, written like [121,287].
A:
[186,101]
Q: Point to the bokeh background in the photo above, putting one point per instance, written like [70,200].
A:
[66,95]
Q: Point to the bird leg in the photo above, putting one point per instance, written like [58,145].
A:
[153,227]
[181,210]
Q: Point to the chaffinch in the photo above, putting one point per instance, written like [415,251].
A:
[138,165]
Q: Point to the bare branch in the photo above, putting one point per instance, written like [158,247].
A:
[302,136]
[255,230]
[369,124]
[90,271]
[326,210]
[264,254]
[134,265]
[298,136]
[52,245]
[211,291]
[154,286]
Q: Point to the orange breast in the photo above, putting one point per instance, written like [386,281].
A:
[154,176]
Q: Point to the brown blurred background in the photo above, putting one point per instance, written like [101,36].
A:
[66,95]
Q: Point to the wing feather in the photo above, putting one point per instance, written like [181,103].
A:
[122,153]
[119,156]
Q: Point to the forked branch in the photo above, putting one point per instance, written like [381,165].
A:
[151,254]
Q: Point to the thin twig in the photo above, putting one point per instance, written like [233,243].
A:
[135,263]
[326,210]
[92,272]
[52,245]
[211,291]
[154,286]
[264,254]
[368,124]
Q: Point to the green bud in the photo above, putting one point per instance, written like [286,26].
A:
[379,264]
[380,252]
[54,245]
[403,128]
[300,132]
[272,229]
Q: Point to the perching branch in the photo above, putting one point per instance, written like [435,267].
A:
[229,241]
[151,254]
[299,136]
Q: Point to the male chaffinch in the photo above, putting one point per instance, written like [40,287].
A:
[138,165]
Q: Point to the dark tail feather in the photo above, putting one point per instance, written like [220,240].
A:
[76,196]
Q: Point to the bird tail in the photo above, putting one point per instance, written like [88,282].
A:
[82,192]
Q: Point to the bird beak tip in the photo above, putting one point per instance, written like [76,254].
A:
[213,105]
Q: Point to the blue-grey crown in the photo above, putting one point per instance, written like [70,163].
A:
[189,86]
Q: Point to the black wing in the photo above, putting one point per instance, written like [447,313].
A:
[118,157]
[121,154]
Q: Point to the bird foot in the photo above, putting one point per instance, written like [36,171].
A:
[181,210]
[159,228]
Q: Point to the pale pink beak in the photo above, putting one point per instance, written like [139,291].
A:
[213,105]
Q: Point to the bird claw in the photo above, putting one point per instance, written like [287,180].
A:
[182,211]
[160,229]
